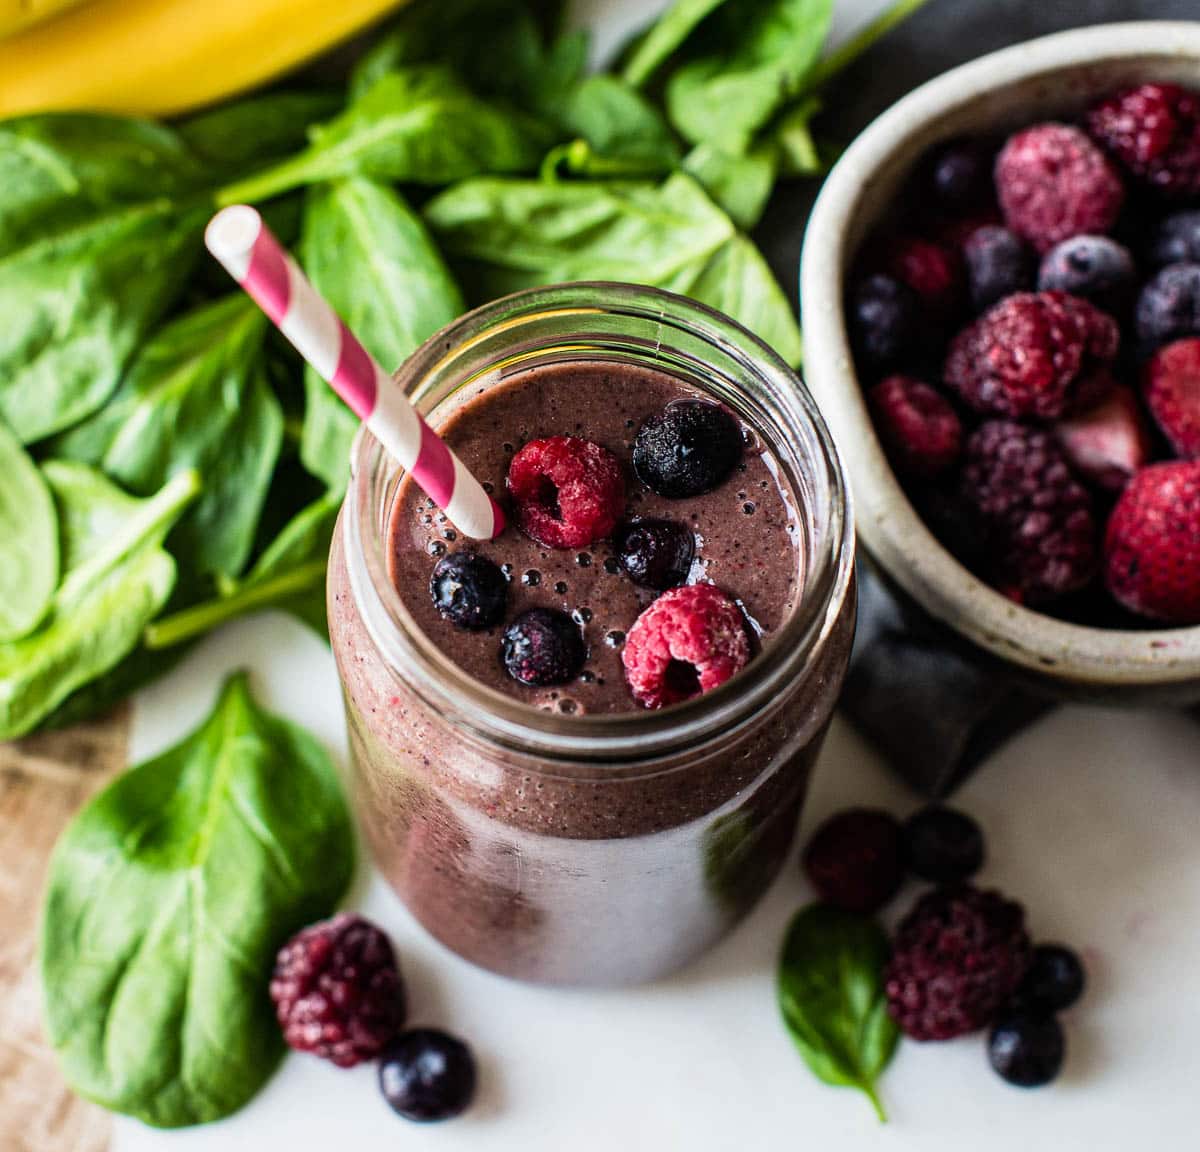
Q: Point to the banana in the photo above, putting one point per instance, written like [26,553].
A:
[18,14]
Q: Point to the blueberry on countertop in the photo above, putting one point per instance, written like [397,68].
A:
[1055,980]
[427,1075]
[1027,1049]
[942,844]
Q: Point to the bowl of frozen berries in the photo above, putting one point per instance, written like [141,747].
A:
[1001,292]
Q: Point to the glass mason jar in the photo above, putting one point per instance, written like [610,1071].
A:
[590,849]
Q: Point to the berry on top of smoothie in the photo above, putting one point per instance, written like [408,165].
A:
[656,554]
[542,646]
[687,449]
[469,590]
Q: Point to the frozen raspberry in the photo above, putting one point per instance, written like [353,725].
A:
[1169,306]
[1171,386]
[1033,354]
[1108,443]
[688,448]
[1094,268]
[921,430]
[1054,183]
[933,272]
[1038,521]
[855,859]
[1176,240]
[689,641]
[884,317]
[999,264]
[956,958]
[568,492]
[1154,131]
[1152,546]
[338,992]
[542,647]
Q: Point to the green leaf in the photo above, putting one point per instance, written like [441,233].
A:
[421,125]
[799,154]
[29,529]
[170,894]
[372,258]
[289,577]
[196,397]
[665,37]
[116,577]
[740,184]
[830,986]
[519,234]
[618,121]
[745,64]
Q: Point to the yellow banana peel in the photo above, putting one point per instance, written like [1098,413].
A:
[18,14]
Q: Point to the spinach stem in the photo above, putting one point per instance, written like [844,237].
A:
[853,48]
[202,618]
[870,1093]
[269,183]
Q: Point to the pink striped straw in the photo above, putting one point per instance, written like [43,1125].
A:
[252,255]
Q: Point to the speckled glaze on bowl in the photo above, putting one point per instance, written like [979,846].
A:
[1052,77]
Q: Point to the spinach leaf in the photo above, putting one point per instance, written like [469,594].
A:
[421,125]
[371,257]
[116,577]
[664,38]
[741,184]
[617,121]
[29,529]
[289,576]
[830,986]
[798,152]
[196,397]
[170,894]
[744,65]
[519,234]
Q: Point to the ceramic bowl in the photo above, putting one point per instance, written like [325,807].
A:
[1050,78]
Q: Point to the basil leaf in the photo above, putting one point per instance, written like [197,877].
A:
[170,894]
[519,234]
[421,125]
[830,987]
[29,529]
[664,38]
[740,184]
[196,397]
[371,257]
[116,577]
[744,66]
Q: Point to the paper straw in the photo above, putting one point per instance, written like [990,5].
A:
[252,255]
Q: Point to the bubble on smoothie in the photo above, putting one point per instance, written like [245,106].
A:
[584,559]
[582,615]
[611,565]
[531,578]
[561,587]
[748,507]
[614,639]
[435,548]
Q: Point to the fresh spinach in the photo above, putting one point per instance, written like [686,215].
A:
[519,234]
[830,987]
[169,895]
[618,122]
[29,530]
[664,38]
[420,125]
[372,258]
[741,184]
[116,577]
[196,397]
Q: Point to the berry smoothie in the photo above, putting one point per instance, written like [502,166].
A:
[588,760]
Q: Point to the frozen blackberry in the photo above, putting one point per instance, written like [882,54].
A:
[1027,1049]
[542,647]
[1055,980]
[943,844]
[655,553]
[999,264]
[1169,306]
[855,859]
[427,1075]
[688,448]
[337,991]
[469,590]
[884,316]
[1092,267]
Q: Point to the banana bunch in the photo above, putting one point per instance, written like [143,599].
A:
[160,57]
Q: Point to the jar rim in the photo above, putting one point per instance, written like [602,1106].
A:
[637,734]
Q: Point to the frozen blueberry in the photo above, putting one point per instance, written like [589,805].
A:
[943,844]
[656,553]
[688,448]
[543,646]
[427,1075]
[1027,1049]
[1169,306]
[885,320]
[1055,980]
[469,590]
[960,175]
[999,264]
[1094,267]
[1176,240]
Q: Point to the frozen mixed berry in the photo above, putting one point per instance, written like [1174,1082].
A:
[688,448]
[1055,980]
[916,423]
[1109,442]
[1153,130]
[1169,305]
[854,859]
[1038,519]
[999,264]
[543,646]
[656,554]
[1171,386]
[884,316]
[1054,183]
[932,271]
[1152,545]
[956,958]
[427,1075]
[1176,240]
[1093,267]
[689,641]
[469,590]
[1027,1049]
[960,176]
[1033,354]
[568,492]
[337,991]
[942,844]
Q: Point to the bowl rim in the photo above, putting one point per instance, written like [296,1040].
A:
[888,525]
